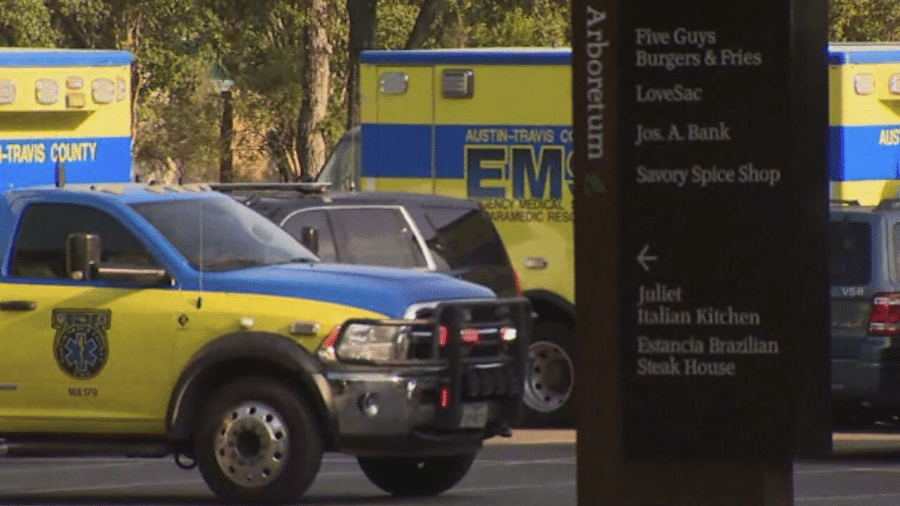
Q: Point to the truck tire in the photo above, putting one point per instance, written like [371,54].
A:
[256,441]
[411,476]
[550,377]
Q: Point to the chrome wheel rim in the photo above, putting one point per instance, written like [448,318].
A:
[252,444]
[550,378]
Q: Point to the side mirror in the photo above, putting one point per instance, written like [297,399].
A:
[82,255]
[309,237]
[83,263]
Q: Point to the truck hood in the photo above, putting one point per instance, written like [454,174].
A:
[383,290]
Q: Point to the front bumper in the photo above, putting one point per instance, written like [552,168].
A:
[430,407]
[378,413]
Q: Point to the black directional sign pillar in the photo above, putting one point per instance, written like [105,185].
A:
[700,229]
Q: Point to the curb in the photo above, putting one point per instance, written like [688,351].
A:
[536,436]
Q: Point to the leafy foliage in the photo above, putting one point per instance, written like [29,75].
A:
[864,20]
[26,23]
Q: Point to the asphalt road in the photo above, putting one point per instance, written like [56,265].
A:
[533,468]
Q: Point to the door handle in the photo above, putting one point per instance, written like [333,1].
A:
[18,305]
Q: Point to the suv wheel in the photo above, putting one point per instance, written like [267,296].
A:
[258,442]
[550,379]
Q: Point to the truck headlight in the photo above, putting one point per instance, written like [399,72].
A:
[373,343]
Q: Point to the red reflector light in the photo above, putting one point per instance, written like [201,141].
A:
[442,340]
[885,317]
[445,397]
[332,337]
[518,282]
[470,335]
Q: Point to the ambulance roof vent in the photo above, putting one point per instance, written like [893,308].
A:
[394,83]
[458,83]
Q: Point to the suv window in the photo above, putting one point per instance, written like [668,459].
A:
[319,221]
[851,253]
[375,236]
[464,237]
[40,250]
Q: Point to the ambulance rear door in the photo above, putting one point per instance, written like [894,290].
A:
[398,132]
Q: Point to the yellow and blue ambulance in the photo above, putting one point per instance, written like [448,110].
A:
[864,121]
[64,106]
[494,125]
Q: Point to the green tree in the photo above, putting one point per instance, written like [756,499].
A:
[26,23]
[864,20]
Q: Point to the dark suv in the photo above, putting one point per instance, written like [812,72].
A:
[408,230]
[865,309]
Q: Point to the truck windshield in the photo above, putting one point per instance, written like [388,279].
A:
[222,234]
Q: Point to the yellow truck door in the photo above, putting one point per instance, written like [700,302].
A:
[77,352]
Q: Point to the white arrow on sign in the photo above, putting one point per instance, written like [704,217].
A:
[643,257]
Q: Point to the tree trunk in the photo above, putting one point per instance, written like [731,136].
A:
[316,90]
[363,20]
[422,29]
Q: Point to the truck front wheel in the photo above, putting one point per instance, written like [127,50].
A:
[257,442]
[409,476]
[550,377]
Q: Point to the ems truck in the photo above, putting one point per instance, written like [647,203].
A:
[495,125]
[64,107]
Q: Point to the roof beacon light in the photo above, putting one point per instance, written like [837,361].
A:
[894,84]
[7,91]
[864,84]
[75,100]
[103,91]
[74,82]
[121,89]
[46,91]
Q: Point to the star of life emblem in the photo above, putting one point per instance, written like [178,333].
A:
[80,346]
